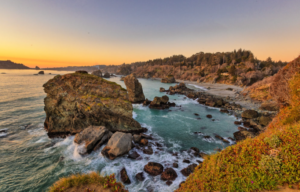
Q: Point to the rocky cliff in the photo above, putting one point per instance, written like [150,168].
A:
[75,101]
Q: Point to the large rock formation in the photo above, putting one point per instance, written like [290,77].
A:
[119,144]
[134,88]
[93,136]
[106,75]
[180,88]
[97,73]
[75,101]
[168,79]
[161,103]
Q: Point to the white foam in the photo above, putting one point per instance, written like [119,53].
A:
[134,115]
[199,87]
[140,107]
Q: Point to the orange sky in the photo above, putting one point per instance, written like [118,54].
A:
[83,33]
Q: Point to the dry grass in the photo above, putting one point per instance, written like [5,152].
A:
[85,180]
[260,90]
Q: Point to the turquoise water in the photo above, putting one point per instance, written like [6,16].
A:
[30,161]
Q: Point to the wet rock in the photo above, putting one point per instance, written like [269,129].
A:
[241,135]
[175,165]
[188,170]
[146,136]
[196,114]
[237,123]
[186,161]
[144,142]
[161,103]
[158,144]
[133,155]
[119,144]
[77,100]
[134,89]
[91,136]
[210,103]
[137,138]
[153,168]
[106,75]
[168,79]
[180,88]
[199,162]
[148,150]
[249,114]
[169,183]
[169,174]
[97,73]
[146,102]
[124,177]
[162,89]
[195,149]
[224,110]
[207,137]
[140,176]
[41,73]
[203,155]
[209,116]
[221,138]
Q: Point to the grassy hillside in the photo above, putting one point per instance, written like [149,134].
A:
[267,161]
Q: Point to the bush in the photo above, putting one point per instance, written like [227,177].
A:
[273,141]
[270,164]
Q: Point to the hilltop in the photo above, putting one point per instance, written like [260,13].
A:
[237,67]
[11,65]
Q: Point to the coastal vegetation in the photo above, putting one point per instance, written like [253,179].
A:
[267,161]
[88,183]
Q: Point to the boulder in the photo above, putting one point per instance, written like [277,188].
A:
[133,155]
[162,89]
[169,174]
[92,136]
[153,168]
[175,165]
[209,116]
[269,106]
[243,134]
[97,73]
[188,170]
[169,183]
[164,99]
[265,120]
[137,138]
[77,100]
[119,144]
[144,142]
[106,75]
[124,177]
[134,89]
[41,73]
[140,176]
[168,79]
[148,151]
[249,114]
[161,103]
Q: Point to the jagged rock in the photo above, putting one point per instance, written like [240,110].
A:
[41,73]
[137,138]
[175,165]
[97,73]
[78,100]
[168,79]
[161,103]
[188,170]
[92,137]
[169,174]
[119,144]
[124,177]
[221,138]
[140,176]
[153,168]
[265,120]
[146,102]
[106,75]
[148,151]
[249,114]
[133,155]
[224,110]
[162,89]
[241,135]
[134,88]
[144,142]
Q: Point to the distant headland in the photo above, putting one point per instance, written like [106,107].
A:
[11,65]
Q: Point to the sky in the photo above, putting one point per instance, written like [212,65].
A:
[59,33]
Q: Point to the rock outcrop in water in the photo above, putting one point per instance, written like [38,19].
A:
[180,89]
[106,75]
[134,88]
[97,73]
[168,79]
[78,100]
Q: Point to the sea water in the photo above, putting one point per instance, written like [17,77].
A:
[30,161]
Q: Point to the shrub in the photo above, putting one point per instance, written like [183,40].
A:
[273,141]
[270,164]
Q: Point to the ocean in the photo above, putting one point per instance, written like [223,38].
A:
[30,161]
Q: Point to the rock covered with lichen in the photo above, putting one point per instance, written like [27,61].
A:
[77,100]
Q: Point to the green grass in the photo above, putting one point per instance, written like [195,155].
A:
[107,182]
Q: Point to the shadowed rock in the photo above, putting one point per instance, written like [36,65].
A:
[169,174]
[153,168]
[124,177]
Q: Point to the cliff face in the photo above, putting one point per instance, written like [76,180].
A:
[75,101]
[11,65]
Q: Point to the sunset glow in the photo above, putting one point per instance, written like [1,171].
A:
[76,33]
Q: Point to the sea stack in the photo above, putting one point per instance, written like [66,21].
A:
[77,100]
[134,88]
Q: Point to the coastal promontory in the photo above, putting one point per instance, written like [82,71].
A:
[77,100]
